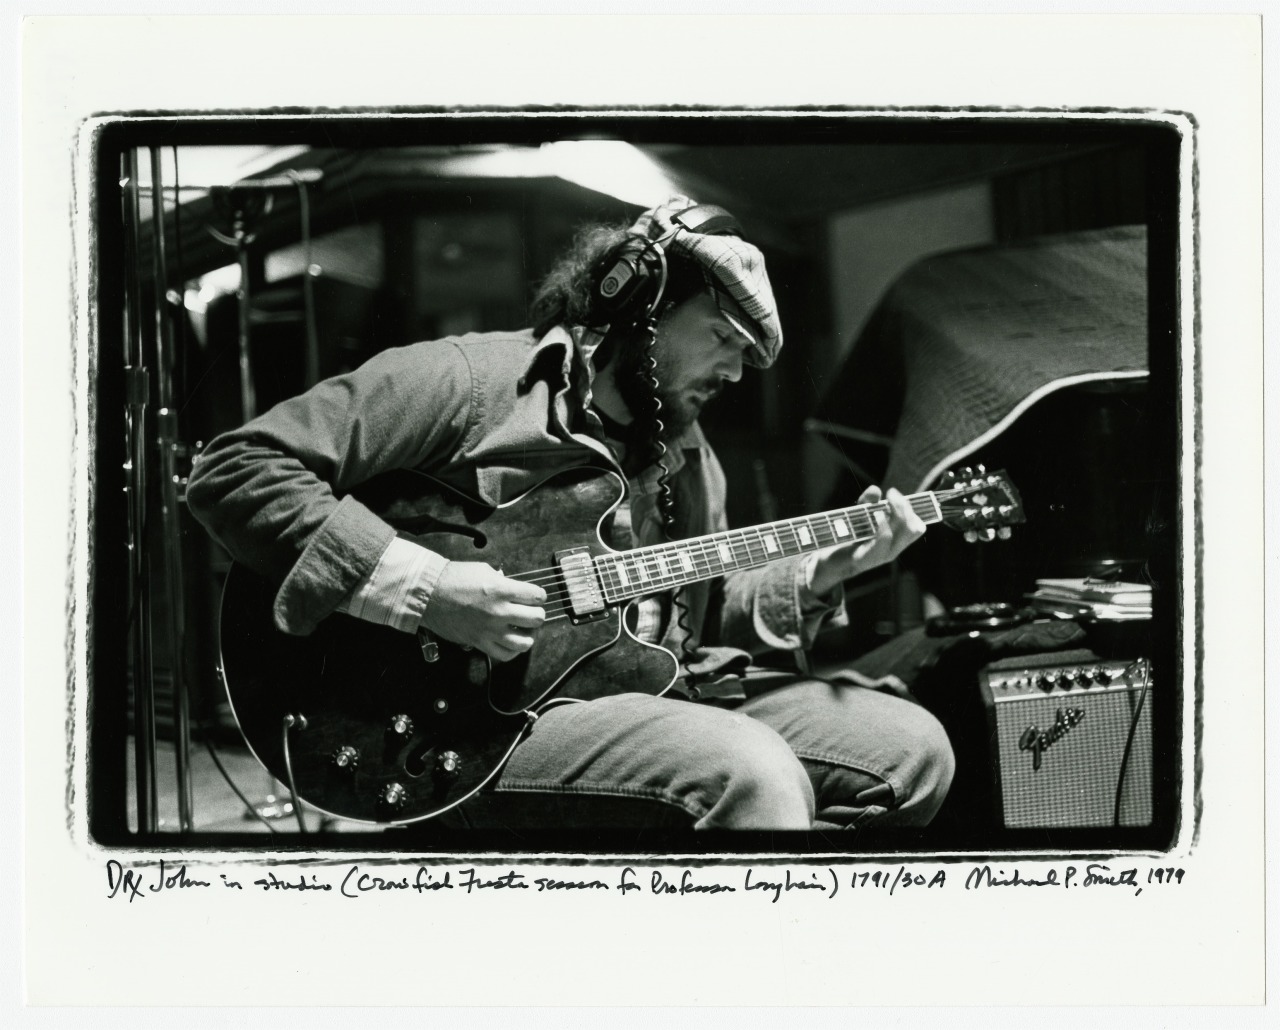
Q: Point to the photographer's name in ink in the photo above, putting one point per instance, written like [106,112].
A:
[1095,874]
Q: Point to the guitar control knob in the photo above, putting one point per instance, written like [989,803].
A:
[393,796]
[346,758]
[401,725]
[448,764]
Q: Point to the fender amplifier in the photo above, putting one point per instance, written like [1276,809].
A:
[1072,739]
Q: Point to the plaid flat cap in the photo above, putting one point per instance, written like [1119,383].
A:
[732,266]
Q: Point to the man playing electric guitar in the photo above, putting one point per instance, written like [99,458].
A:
[635,331]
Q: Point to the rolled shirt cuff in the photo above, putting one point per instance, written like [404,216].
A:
[396,592]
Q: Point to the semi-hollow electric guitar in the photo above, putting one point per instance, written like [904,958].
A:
[369,723]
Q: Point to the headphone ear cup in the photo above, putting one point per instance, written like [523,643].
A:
[623,283]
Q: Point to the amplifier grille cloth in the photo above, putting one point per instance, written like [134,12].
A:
[1076,782]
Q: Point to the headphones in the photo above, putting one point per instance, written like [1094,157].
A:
[628,281]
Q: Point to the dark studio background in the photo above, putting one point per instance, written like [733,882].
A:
[416,237]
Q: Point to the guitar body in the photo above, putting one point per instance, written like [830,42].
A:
[381,734]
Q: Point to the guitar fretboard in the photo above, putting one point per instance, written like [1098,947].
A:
[646,570]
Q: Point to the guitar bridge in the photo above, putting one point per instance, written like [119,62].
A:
[586,600]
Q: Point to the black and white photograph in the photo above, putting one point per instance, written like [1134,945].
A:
[607,504]
[611,481]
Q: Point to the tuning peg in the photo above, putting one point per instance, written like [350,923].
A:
[988,534]
[1004,532]
[970,536]
[981,470]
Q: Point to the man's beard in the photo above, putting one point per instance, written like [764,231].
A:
[632,376]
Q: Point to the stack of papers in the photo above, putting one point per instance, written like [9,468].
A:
[1097,598]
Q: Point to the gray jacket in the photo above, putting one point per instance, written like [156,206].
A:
[491,415]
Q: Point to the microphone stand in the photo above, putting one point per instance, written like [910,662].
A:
[171,529]
[137,389]
[170,449]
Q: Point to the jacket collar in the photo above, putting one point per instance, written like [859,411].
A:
[570,350]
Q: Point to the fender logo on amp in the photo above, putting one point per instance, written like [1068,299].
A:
[1037,741]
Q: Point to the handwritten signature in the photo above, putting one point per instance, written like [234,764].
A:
[1096,874]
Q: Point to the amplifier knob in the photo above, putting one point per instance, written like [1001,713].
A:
[346,758]
[1102,676]
[1044,682]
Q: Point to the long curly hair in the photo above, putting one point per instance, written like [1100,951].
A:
[564,297]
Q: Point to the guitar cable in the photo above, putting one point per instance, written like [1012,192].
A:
[1133,727]
[286,724]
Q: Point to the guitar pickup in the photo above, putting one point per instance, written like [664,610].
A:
[586,600]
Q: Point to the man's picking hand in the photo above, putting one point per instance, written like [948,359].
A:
[475,605]
[895,531]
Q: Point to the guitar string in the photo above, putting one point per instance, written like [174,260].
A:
[706,546]
[704,567]
[700,562]
[555,570]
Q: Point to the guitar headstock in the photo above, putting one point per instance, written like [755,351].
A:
[980,504]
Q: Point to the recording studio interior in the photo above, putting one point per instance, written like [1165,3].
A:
[979,315]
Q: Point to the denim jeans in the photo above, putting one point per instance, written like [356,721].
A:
[807,755]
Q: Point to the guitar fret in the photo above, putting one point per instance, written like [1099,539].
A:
[663,566]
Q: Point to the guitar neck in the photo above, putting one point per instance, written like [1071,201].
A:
[645,570]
